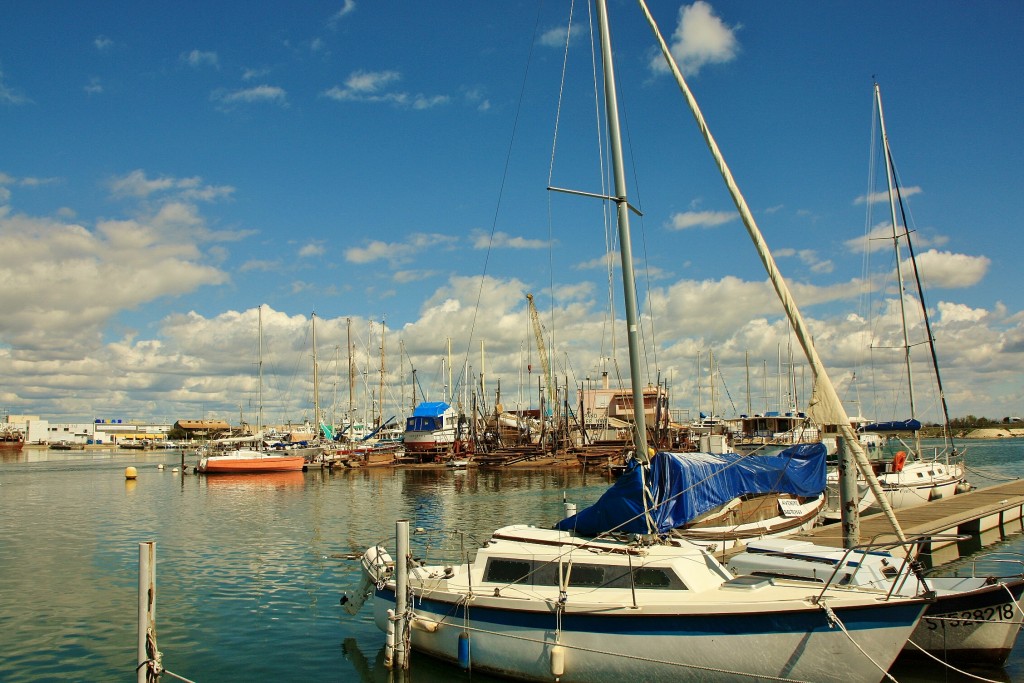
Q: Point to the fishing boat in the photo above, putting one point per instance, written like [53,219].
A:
[431,429]
[633,604]
[11,438]
[974,619]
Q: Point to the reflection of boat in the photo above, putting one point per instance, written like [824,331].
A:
[973,619]
[542,604]
[266,481]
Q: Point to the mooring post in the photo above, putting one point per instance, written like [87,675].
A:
[147,607]
[401,588]
[849,501]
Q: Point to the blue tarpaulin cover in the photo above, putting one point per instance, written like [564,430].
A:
[892,426]
[683,486]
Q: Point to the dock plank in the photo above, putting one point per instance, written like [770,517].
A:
[1000,507]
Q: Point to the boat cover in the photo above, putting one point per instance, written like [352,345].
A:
[430,409]
[892,426]
[684,486]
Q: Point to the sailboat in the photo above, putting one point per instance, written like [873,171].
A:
[540,604]
[249,454]
[908,477]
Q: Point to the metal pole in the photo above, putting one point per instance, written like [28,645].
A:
[401,588]
[147,606]
[848,500]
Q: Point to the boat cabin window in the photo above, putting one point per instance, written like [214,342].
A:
[507,571]
[581,575]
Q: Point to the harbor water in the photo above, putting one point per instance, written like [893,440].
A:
[250,568]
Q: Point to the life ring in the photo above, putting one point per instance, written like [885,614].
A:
[899,461]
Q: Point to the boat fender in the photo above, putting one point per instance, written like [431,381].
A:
[935,494]
[424,624]
[464,650]
[963,487]
[899,461]
[377,564]
[557,661]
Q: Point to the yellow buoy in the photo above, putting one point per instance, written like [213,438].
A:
[130,473]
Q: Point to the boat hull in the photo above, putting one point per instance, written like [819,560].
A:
[251,465]
[603,642]
[976,626]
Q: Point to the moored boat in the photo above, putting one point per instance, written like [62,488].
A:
[973,619]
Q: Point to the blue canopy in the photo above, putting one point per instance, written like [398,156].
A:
[430,409]
[892,426]
[683,486]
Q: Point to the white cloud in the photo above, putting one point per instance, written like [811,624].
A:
[199,58]
[883,196]
[135,184]
[312,249]
[347,8]
[398,252]
[502,240]
[9,95]
[701,219]
[700,38]
[374,86]
[949,270]
[257,94]
[102,43]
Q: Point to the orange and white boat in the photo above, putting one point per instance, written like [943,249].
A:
[249,460]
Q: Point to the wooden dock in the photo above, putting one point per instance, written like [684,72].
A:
[987,515]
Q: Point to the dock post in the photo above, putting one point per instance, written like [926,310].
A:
[147,610]
[848,500]
[401,589]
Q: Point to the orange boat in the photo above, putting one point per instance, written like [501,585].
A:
[245,460]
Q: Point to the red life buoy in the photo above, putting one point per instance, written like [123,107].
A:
[899,461]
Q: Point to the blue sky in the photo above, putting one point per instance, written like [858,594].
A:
[168,168]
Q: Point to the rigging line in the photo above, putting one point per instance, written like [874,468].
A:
[948,434]
[643,239]
[501,189]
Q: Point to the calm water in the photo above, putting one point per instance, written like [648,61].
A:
[250,569]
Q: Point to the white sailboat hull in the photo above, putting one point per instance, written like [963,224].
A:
[608,643]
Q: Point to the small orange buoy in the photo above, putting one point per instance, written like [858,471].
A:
[130,473]
[899,461]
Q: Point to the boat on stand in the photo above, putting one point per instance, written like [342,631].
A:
[633,602]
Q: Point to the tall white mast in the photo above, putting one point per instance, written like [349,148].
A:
[899,256]
[625,242]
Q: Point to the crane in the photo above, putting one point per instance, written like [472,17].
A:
[542,351]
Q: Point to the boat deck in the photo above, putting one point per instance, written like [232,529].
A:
[988,515]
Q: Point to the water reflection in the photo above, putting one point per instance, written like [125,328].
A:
[266,481]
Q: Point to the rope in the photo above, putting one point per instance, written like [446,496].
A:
[834,619]
[641,659]
[994,477]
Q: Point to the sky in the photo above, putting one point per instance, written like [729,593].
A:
[184,185]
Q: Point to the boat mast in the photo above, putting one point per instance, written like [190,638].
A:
[625,243]
[316,382]
[259,374]
[826,401]
[899,256]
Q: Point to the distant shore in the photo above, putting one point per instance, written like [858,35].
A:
[994,433]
